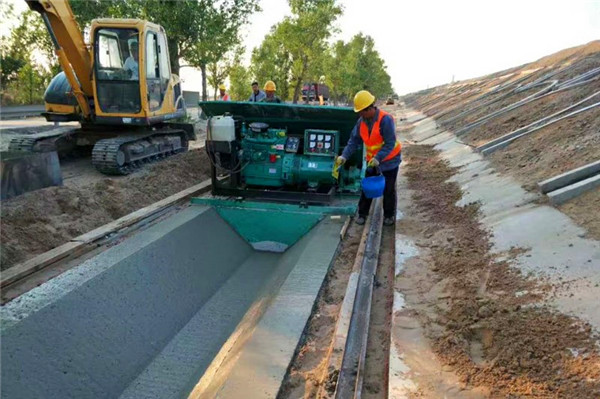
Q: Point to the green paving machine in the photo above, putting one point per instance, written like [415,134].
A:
[247,262]
[272,167]
[280,152]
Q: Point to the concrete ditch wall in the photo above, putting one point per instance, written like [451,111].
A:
[101,329]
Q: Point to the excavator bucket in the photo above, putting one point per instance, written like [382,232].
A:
[22,172]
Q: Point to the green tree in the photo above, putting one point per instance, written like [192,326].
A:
[240,79]
[356,65]
[27,59]
[198,31]
[272,60]
[31,85]
[11,58]
[219,33]
[292,52]
[217,73]
[307,34]
[219,70]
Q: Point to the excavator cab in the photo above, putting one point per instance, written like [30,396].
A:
[117,70]
[119,86]
[132,73]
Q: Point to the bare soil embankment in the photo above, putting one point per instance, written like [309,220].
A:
[38,221]
[547,152]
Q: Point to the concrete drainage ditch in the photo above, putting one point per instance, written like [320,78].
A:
[147,317]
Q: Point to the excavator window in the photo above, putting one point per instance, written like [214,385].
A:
[117,70]
[110,52]
[158,72]
[153,71]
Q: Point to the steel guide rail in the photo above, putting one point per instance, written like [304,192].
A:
[350,379]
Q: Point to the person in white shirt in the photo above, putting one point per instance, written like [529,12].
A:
[131,63]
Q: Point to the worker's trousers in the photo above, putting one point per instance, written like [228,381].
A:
[389,195]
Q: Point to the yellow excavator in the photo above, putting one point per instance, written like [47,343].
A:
[119,87]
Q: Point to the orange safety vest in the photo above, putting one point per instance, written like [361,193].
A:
[225,97]
[374,142]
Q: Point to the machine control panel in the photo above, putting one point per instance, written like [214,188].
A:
[292,144]
[320,142]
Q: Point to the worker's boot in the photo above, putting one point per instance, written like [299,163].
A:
[360,220]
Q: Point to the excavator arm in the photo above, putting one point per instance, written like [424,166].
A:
[73,55]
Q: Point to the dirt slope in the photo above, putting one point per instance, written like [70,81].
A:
[553,150]
[547,152]
[530,113]
[44,219]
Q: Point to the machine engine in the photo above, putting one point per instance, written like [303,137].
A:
[259,156]
[272,158]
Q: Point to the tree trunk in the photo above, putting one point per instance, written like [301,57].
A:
[300,79]
[174,56]
[203,70]
[297,90]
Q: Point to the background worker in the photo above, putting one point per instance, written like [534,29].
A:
[257,94]
[377,131]
[223,96]
[270,96]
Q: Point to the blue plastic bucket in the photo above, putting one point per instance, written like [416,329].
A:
[373,186]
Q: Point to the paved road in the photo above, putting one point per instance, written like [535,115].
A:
[21,111]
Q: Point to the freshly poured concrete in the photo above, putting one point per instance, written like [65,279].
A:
[256,371]
[555,246]
[146,317]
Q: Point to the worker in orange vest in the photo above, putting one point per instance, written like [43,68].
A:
[223,96]
[377,131]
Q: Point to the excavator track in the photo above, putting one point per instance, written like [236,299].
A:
[123,155]
[22,144]
[60,141]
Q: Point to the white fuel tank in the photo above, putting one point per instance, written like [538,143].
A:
[222,128]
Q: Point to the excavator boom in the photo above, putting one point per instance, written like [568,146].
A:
[72,52]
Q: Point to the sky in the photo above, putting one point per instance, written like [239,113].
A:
[425,43]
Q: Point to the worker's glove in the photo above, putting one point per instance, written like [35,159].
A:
[373,163]
[340,160]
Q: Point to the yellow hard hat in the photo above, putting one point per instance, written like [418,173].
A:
[362,100]
[270,85]
[222,87]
